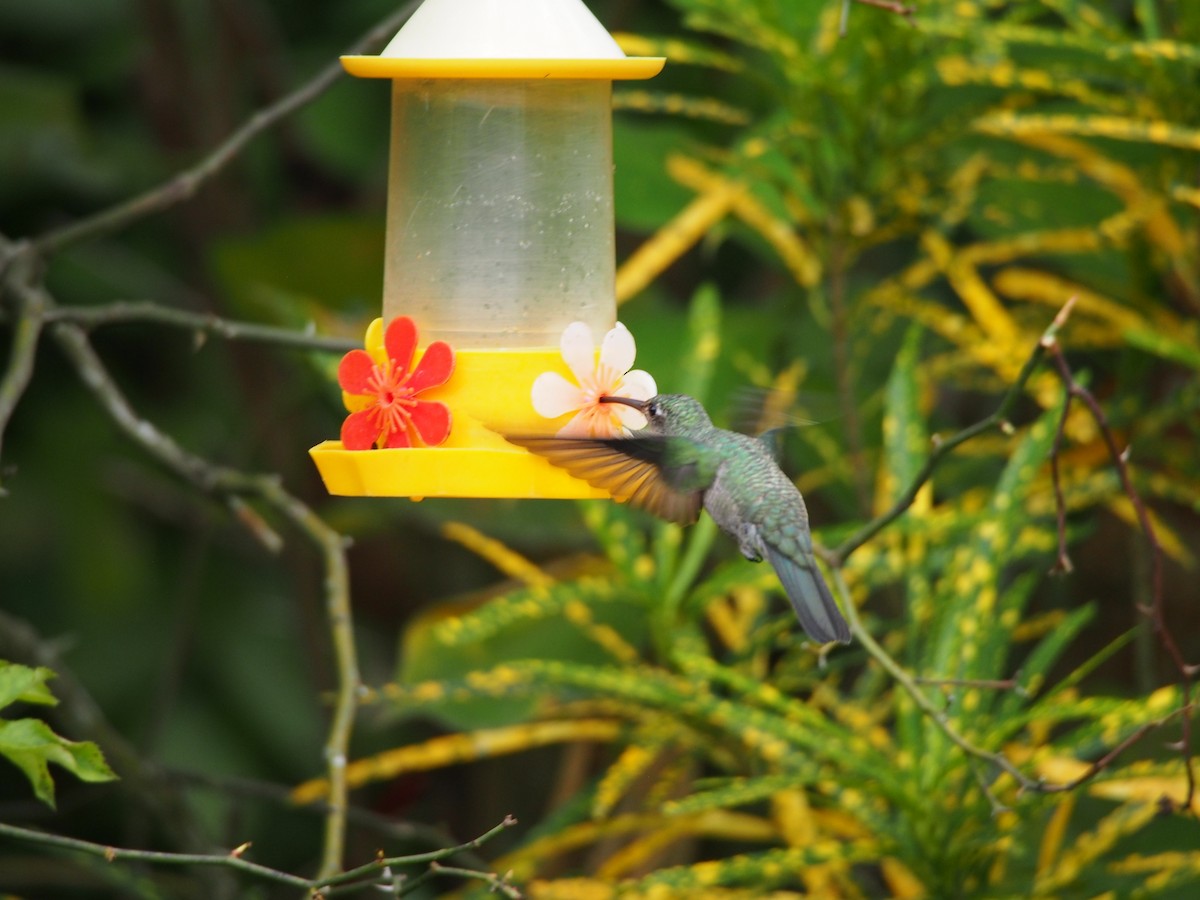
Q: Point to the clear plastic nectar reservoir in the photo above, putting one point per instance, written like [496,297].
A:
[500,211]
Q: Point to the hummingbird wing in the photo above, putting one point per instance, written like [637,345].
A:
[665,476]
[809,595]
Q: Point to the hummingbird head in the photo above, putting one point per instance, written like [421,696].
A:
[668,413]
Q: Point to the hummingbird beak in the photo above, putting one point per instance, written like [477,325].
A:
[639,405]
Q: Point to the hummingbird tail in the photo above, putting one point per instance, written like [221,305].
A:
[815,607]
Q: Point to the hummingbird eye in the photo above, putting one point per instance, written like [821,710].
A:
[654,410]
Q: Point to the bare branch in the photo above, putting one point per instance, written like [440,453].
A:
[998,419]
[375,872]
[906,681]
[1156,613]
[29,303]
[999,761]
[185,184]
[117,854]
[1062,563]
[1048,344]
[892,6]
[126,312]
[992,684]
[231,485]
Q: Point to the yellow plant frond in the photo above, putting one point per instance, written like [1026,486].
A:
[954,327]
[732,618]
[761,869]
[1033,628]
[1184,194]
[679,52]
[1089,846]
[720,824]
[1158,870]
[1174,488]
[571,889]
[451,749]
[701,108]
[675,238]
[1053,290]
[962,188]
[1134,784]
[1120,128]
[800,827]
[1005,74]
[457,627]
[1172,544]
[1066,240]
[1122,180]
[1052,837]
[596,889]
[804,266]
[1034,36]
[902,883]
[579,614]
[642,853]
[508,561]
[630,765]
[985,308]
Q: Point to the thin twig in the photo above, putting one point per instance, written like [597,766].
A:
[373,867]
[496,883]
[362,876]
[900,9]
[1155,613]
[1062,563]
[119,854]
[127,312]
[994,684]
[231,485]
[141,779]
[939,717]
[942,721]
[1048,344]
[999,418]
[185,184]
[30,306]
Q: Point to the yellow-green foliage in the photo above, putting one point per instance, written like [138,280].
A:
[928,192]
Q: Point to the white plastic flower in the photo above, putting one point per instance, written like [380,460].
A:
[554,396]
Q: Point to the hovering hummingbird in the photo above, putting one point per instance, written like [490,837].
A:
[679,462]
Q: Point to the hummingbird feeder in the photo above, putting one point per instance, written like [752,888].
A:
[499,245]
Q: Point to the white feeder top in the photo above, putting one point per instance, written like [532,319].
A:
[502,39]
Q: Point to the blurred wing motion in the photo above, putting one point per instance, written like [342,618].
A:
[664,476]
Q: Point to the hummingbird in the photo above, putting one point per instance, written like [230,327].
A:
[679,463]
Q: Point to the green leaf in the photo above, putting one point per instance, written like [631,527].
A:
[22,684]
[31,746]
[905,441]
[704,339]
[1171,347]
[558,622]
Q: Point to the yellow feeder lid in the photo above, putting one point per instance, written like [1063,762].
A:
[524,39]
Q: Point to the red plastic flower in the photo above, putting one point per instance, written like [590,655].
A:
[382,390]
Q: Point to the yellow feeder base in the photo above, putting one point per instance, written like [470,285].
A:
[488,396]
[420,472]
